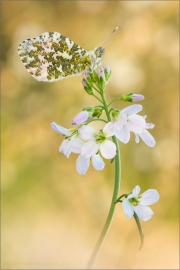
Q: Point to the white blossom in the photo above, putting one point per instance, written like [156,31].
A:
[83,163]
[97,141]
[138,203]
[67,144]
[127,120]
[146,136]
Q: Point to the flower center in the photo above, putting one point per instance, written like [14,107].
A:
[101,137]
[134,201]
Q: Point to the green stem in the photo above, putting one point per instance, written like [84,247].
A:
[97,98]
[114,197]
[120,98]
[96,89]
[96,119]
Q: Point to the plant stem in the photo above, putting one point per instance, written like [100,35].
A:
[120,98]
[115,194]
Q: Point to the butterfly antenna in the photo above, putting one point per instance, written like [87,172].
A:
[115,29]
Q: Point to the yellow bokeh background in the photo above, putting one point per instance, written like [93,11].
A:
[51,215]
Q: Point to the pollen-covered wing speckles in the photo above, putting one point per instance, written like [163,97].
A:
[52,56]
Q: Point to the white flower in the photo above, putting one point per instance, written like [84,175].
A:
[146,136]
[97,142]
[82,163]
[138,203]
[127,120]
[67,144]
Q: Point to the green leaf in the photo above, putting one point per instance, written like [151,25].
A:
[139,229]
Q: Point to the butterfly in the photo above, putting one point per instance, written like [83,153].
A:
[52,56]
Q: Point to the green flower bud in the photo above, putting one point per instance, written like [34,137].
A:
[97,112]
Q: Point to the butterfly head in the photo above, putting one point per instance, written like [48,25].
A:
[99,52]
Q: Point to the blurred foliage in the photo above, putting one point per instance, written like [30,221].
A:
[51,216]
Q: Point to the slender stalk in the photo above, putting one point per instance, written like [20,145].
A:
[114,197]
[120,98]
[97,98]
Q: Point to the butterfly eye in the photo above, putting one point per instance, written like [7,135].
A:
[99,52]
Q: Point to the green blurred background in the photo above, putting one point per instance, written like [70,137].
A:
[51,215]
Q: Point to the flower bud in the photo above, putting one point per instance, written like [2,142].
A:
[80,118]
[83,116]
[132,97]
[137,97]
[87,87]
[107,72]
[97,112]
[102,79]
[115,113]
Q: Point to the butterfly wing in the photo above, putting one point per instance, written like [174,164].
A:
[52,56]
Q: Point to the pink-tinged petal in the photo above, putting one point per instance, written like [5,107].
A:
[89,149]
[132,109]
[134,193]
[149,126]
[80,118]
[136,123]
[123,135]
[101,73]
[121,121]
[77,145]
[86,132]
[149,197]
[136,137]
[143,212]
[127,208]
[82,164]
[108,149]
[147,138]
[60,129]
[109,129]
[137,97]
[98,162]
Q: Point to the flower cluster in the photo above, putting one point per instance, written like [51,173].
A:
[96,143]
[123,122]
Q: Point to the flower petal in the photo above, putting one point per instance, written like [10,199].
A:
[82,164]
[134,193]
[143,212]
[149,197]
[136,123]
[121,121]
[66,147]
[60,129]
[77,145]
[86,132]
[149,126]
[136,137]
[80,118]
[89,149]
[127,208]
[123,135]
[109,129]
[132,109]
[98,162]
[147,138]
[108,149]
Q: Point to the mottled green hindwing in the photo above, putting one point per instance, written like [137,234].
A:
[52,56]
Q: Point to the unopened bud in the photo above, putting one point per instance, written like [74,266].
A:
[97,112]
[132,97]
